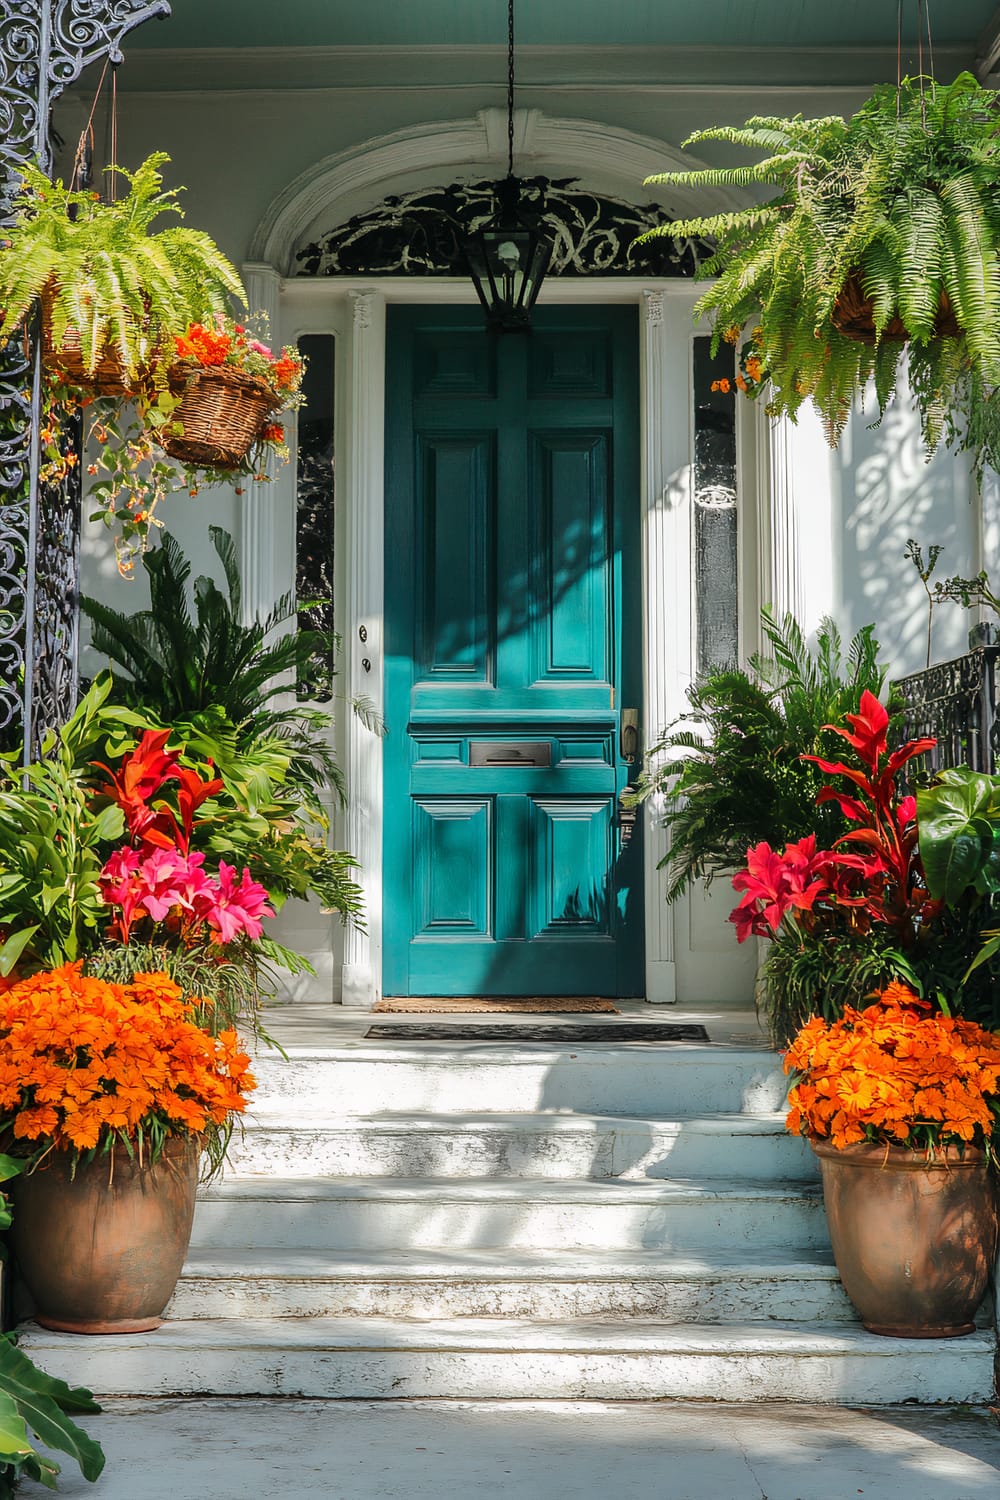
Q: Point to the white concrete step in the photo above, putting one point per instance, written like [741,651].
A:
[375,1358]
[709,1288]
[374,1213]
[519,1145]
[635,1078]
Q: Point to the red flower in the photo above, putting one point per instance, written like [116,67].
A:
[777,883]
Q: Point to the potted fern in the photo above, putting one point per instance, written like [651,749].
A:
[112,290]
[882,236]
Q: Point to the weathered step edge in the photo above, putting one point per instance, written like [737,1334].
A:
[377,1359]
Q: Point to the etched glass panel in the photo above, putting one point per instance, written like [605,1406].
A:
[314,525]
[716,571]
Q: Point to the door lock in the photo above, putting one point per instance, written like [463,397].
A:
[629,735]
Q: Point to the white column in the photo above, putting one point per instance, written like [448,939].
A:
[363,634]
[269,505]
[781,582]
[666,381]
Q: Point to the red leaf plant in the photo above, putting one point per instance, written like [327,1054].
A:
[872,874]
[158,876]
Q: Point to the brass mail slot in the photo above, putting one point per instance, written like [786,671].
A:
[510,752]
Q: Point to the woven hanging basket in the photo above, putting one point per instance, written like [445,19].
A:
[854,316]
[222,410]
[108,377]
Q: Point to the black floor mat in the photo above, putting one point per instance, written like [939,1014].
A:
[449,1031]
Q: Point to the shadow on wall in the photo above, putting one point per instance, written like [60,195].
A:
[883,492]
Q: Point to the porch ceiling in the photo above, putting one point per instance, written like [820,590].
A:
[257,44]
[678,23]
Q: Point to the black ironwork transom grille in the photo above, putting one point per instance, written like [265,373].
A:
[421,233]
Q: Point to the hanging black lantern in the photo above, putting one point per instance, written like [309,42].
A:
[509,255]
[507,259]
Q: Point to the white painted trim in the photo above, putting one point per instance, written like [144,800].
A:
[781,572]
[667,331]
[607,157]
[365,612]
[666,524]
[263,502]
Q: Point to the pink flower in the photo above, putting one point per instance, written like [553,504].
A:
[259,348]
[237,908]
[169,879]
[118,885]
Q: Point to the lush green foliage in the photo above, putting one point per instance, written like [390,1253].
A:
[904,198]
[905,894]
[731,768]
[59,829]
[821,973]
[33,1404]
[212,669]
[105,271]
[53,843]
[959,821]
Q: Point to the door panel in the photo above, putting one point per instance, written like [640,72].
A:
[455,504]
[512,644]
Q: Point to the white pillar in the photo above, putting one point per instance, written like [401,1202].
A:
[363,634]
[781,584]
[666,383]
[268,506]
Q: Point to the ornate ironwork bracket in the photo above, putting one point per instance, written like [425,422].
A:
[44,47]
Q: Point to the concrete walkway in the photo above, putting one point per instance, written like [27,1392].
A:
[315,1450]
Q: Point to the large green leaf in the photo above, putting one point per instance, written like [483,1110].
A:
[13,947]
[43,1401]
[15,1445]
[957,817]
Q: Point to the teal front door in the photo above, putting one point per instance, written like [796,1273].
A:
[513,646]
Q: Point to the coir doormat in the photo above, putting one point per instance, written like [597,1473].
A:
[598,1031]
[555,1005]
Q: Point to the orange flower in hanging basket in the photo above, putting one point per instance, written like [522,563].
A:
[854,316]
[222,412]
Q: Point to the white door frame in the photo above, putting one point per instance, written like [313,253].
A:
[355,312]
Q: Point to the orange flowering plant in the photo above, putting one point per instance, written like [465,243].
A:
[133,473]
[86,1065]
[898,1073]
[222,341]
[124,453]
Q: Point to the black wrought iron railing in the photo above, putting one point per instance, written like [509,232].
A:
[955,702]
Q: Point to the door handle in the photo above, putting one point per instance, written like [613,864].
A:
[628,736]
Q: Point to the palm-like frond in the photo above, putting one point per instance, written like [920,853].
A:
[731,771]
[188,667]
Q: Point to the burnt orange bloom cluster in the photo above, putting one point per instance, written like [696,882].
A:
[84,1062]
[206,346]
[897,1074]
[287,371]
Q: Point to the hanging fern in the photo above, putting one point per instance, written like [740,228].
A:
[903,201]
[104,271]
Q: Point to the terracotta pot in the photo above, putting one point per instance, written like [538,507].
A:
[101,1252]
[914,1241]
